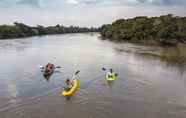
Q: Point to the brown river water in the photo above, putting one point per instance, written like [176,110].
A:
[146,87]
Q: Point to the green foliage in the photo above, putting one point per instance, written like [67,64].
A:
[22,30]
[9,31]
[166,29]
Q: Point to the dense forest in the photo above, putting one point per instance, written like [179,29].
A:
[167,29]
[21,30]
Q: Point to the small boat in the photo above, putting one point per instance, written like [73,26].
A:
[71,91]
[110,77]
[49,71]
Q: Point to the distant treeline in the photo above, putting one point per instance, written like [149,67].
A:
[21,30]
[167,29]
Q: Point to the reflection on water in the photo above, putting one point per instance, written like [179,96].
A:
[171,56]
[47,77]
[146,86]
[110,83]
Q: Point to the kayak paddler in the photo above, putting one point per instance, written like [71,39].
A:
[68,85]
[111,73]
[49,67]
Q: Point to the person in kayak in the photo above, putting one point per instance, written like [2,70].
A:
[111,73]
[48,67]
[68,85]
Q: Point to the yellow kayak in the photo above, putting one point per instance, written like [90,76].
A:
[72,90]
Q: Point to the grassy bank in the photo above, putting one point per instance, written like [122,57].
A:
[175,54]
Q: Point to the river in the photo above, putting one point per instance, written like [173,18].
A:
[146,87]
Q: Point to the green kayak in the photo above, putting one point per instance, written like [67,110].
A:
[110,76]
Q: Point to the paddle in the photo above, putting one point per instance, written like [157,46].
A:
[42,67]
[104,69]
[58,67]
[76,73]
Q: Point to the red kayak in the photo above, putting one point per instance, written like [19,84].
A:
[49,69]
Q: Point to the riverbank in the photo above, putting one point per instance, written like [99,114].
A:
[168,30]
[20,30]
[171,54]
[175,54]
[163,30]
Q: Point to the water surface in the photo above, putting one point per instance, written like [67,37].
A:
[145,88]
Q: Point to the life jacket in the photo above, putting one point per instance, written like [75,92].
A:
[49,66]
[110,75]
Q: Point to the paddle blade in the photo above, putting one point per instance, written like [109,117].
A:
[58,67]
[41,67]
[103,69]
[77,72]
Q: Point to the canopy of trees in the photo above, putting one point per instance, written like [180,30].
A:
[22,30]
[167,29]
